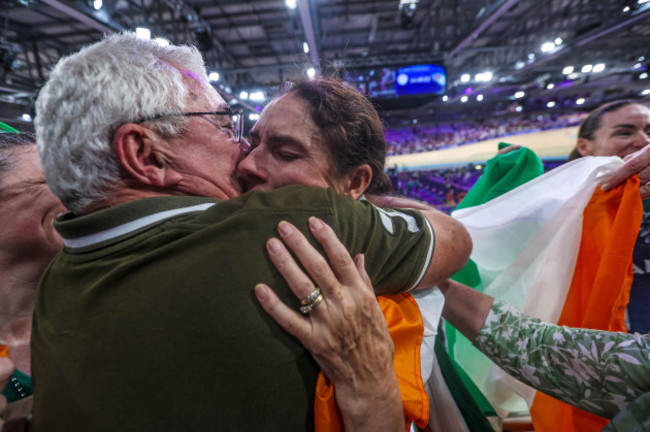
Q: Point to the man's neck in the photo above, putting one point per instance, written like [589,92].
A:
[126,195]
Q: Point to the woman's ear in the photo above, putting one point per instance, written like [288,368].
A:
[137,150]
[584,146]
[358,181]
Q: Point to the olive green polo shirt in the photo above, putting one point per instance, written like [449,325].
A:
[147,320]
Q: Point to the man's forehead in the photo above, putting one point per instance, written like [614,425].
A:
[201,90]
[193,76]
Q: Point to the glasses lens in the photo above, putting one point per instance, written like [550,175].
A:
[239,125]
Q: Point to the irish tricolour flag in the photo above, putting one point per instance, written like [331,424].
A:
[560,249]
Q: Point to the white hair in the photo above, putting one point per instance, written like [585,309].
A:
[90,94]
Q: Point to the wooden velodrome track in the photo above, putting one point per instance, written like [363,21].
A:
[549,144]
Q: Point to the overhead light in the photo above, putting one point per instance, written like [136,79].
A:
[291,4]
[311,73]
[243,95]
[586,68]
[479,97]
[550,86]
[531,56]
[558,41]
[465,78]
[568,70]
[645,92]
[520,94]
[162,41]
[26,117]
[213,76]
[548,46]
[550,104]
[642,1]
[257,96]
[643,75]
[599,68]
[253,116]
[464,98]
[519,108]
[519,64]
[143,33]
[626,9]
[637,66]
[445,98]
[97,4]
[574,75]
[580,101]
[483,77]
[407,9]
[305,47]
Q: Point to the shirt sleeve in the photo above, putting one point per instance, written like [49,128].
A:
[597,371]
[398,243]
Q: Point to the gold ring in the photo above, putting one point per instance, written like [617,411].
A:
[311,301]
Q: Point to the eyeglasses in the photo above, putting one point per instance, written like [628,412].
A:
[234,126]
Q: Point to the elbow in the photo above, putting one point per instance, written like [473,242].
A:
[453,248]
[466,240]
[462,243]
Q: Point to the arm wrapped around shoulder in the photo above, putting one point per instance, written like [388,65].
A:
[453,243]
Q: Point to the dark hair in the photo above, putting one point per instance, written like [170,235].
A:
[8,142]
[350,126]
[575,154]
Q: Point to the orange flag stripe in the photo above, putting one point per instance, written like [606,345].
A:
[405,325]
[599,291]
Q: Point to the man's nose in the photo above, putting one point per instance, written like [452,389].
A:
[245,145]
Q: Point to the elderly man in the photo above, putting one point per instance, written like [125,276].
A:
[147,319]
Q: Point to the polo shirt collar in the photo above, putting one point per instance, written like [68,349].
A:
[125,219]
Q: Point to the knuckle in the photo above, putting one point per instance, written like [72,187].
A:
[636,164]
[304,286]
[320,268]
[341,259]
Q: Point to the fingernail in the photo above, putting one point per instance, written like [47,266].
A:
[273,246]
[315,223]
[285,228]
[261,292]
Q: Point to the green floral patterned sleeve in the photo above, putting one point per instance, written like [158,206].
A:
[601,372]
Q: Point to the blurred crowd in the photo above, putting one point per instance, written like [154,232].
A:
[423,138]
[444,188]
